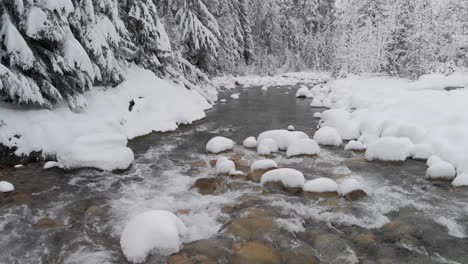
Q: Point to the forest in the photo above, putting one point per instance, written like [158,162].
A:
[53,50]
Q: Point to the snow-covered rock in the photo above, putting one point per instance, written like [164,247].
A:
[305,146]
[151,232]
[421,151]
[235,96]
[291,128]
[263,164]
[102,151]
[461,180]
[341,120]
[269,144]
[6,186]
[349,185]
[328,136]
[264,88]
[433,159]
[321,185]
[441,170]
[250,142]
[368,138]
[219,144]
[316,103]
[18,166]
[289,178]
[224,166]
[302,92]
[317,115]
[51,164]
[283,138]
[223,100]
[355,145]
[389,149]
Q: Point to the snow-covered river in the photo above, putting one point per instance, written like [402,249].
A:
[78,216]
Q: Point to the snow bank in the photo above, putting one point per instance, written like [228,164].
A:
[158,105]
[355,145]
[341,120]
[421,111]
[441,170]
[302,92]
[263,164]
[321,185]
[219,144]
[328,136]
[349,185]
[6,186]
[250,142]
[151,232]
[421,151]
[290,178]
[224,166]
[283,138]
[389,149]
[285,79]
[303,146]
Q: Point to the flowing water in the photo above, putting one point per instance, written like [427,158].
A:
[405,218]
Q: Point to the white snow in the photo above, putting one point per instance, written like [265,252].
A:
[36,21]
[302,92]
[421,151]
[51,164]
[341,120]
[223,100]
[103,151]
[316,103]
[263,164]
[349,185]
[433,159]
[317,115]
[291,128]
[461,180]
[328,136]
[389,149]
[235,96]
[283,138]
[354,145]
[151,232]
[284,79]
[290,178]
[264,88]
[321,185]
[305,146]
[267,144]
[6,186]
[224,166]
[18,166]
[250,142]
[219,144]
[441,170]
[160,105]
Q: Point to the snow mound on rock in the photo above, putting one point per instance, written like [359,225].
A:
[291,128]
[461,180]
[51,164]
[349,185]
[341,120]
[290,178]
[354,145]
[317,115]
[263,164]
[250,142]
[433,159]
[235,96]
[151,232]
[421,151]
[6,186]
[316,103]
[441,170]
[328,136]
[219,144]
[305,146]
[321,185]
[282,137]
[302,92]
[267,146]
[224,166]
[105,151]
[389,149]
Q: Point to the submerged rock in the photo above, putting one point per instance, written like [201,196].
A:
[256,175]
[255,253]
[210,186]
[47,223]
[355,195]
[251,228]
[300,255]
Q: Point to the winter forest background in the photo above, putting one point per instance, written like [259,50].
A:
[54,50]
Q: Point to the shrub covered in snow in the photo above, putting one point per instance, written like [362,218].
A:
[441,170]
[263,164]
[321,185]
[389,149]
[152,231]
[219,144]
[328,136]
[355,145]
[6,186]
[250,142]
[290,178]
[283,138]
[224,166]
[305,146]
[302,92]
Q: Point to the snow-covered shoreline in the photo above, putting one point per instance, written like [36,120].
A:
[97,137]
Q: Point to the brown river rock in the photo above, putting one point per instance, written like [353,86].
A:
[255,253]
[355,195]
[256,175]
[210,186]
[316,195]
[250,228]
